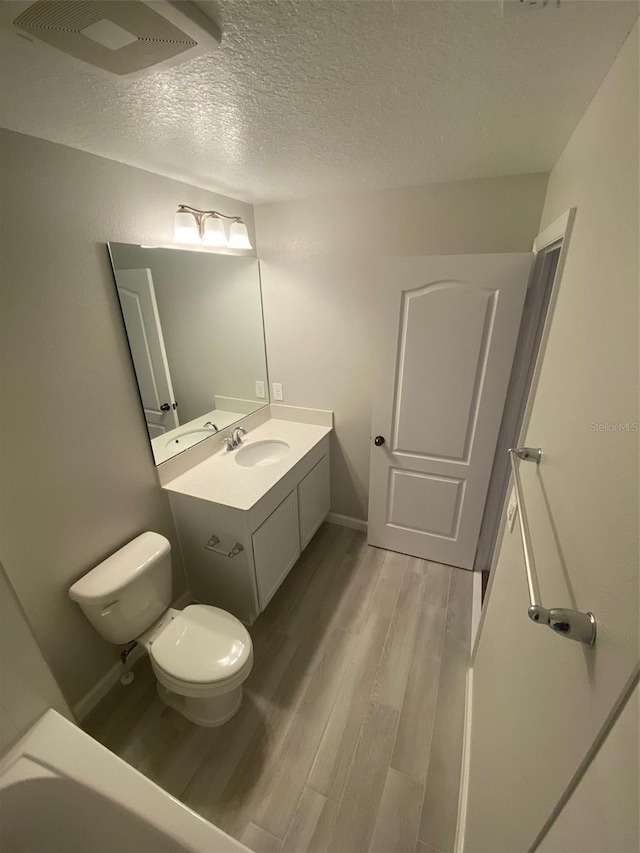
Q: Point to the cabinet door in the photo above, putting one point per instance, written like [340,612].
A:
[313,500]
[276,547]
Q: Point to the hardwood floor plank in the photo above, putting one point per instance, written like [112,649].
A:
[180,763]
[305,821]
[326,578]
[252,777]
[387,589]
[354,601]
[418,566]
[398,818]
[111,721]
[413,739]
[322,835]
[440,808]
[333,758]
[259,840]
[425,848]
[436,590]
[361,799]
[391,678]
[150,739]
[272,620]
[216,750]
[358,544]
[293,763]
[459,605]
[229,743]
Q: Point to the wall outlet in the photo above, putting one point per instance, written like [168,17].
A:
[277,391]
[260,390]
[512,511]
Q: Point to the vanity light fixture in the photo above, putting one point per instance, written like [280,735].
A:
[206,227]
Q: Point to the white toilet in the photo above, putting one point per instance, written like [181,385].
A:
[201,655]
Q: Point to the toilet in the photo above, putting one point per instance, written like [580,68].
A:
[200,655]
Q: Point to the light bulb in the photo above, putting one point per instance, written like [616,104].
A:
[239,236]
[214,232]
[185,228]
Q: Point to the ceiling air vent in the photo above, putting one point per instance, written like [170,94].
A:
[125,37]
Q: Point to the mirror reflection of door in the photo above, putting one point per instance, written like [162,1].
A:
[196,336]
[141,319]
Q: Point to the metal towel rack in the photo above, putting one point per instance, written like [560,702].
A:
[573,624]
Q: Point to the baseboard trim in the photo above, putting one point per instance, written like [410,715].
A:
[347,521]
[463,796]
[89,701]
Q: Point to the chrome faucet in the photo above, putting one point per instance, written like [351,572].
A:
[235,439]
[212,425]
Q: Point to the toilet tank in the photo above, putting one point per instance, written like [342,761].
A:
[126,593]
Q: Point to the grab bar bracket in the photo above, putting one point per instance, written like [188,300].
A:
[528,454]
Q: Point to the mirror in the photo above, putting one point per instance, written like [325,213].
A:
[194,324]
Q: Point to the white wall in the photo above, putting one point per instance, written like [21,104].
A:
[77,477]
[27,686]
[603,813]
[318,266]
[540,702]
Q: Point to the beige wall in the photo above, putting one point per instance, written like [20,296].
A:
[77,478]
[27,686]
[318,265]
[582,501]
[603,813]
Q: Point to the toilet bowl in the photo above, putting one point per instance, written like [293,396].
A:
[200,655]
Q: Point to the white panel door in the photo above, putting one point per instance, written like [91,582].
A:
[142,321]
[448,336]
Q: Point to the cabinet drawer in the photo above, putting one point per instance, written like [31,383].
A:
[276,547]
[313,500]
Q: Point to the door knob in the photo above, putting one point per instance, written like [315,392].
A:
[165,407]
[378,440]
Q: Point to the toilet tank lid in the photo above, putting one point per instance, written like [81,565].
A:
[131,561]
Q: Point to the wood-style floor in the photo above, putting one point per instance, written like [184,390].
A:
[349,738]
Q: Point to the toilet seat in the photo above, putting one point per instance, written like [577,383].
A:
[202,651]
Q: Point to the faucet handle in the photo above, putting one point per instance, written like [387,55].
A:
[230,443]
[238,432]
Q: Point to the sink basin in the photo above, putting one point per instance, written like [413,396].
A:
[188,439]
[261,453]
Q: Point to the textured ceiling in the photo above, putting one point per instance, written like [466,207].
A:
[307,98]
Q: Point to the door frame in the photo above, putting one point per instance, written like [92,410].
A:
[542,294]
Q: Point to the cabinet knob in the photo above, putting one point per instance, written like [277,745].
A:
[378,440]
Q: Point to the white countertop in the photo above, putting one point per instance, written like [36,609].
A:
[222,480]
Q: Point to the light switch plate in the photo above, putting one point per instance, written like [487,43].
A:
[512,511]
[259,390]
[277,391]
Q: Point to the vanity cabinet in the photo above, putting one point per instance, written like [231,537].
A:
[313,500]
[236,558]
[276,548]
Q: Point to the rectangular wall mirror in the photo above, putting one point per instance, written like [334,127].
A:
[196,335]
